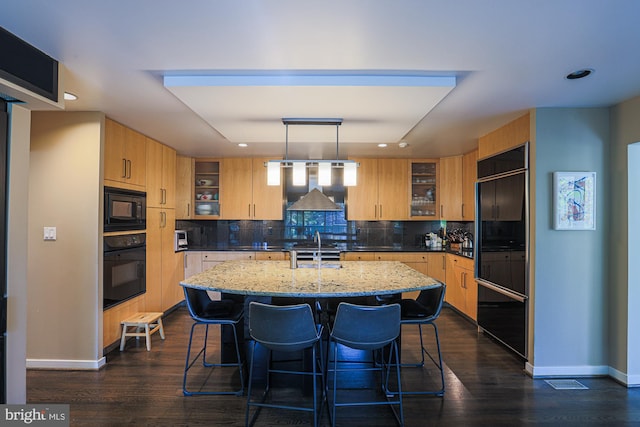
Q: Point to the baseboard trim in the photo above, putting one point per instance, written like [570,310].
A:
[566,371]
[627,380]
[62,364]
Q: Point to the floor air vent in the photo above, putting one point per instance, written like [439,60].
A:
[566,385]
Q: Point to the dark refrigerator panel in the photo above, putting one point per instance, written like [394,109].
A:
[4,119]
[502,239]
[503,316]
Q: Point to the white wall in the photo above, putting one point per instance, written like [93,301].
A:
[64,291]
[570,306]
[17,203]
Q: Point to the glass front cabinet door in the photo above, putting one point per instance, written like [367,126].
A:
[424,189]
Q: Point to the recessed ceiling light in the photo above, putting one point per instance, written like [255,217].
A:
[402,144]
[242,144]
[382,145]
[579,74]
[68,96]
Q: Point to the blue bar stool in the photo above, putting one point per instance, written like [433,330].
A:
[425,310]
[288,329]
[207,312]
[371,328]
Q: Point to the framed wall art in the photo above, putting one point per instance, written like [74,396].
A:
[574,200]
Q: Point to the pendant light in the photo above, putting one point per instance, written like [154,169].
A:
[299,167]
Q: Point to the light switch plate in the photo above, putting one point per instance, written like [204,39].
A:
[50,233]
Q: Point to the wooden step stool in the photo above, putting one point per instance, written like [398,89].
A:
[150,322]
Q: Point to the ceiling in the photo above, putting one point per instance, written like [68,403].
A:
[203,76]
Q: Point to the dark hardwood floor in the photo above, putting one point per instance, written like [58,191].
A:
[485,386]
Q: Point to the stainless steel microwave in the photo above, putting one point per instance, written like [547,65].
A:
[124,210]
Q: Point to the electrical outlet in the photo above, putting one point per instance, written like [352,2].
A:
[50,233]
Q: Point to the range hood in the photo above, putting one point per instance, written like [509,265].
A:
[314,200]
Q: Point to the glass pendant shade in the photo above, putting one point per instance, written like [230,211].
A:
[324,174]
[299,173]
[273,173]
[350,173]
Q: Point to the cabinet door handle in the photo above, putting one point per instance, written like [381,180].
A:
[441,215]
[124,168]
[184,261]
[375,211]
[249,206]
[188,210]
[254,210]
[462,210]
[163,219]
[443,263]
[380,211]
[129,174]
[164,196]
[464,280]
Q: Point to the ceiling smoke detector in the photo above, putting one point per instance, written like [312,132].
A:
[403,144]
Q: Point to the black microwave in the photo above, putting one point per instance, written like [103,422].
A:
[124,209]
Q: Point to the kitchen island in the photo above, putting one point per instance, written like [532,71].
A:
[278,279]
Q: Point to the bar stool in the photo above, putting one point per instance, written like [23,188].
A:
[425,310]
[207,312]
[287,328]
[371,328]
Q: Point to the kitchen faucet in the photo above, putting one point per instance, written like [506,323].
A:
[319,254]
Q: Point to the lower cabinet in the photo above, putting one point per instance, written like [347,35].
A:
[164,265]
[198,261]
[462,289]
[111,318]
[437,265]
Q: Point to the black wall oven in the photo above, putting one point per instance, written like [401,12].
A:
[502,247]
[124,210]
[124,270]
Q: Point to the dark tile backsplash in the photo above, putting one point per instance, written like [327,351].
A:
[222,234]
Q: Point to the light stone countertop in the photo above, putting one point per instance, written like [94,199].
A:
[276,278]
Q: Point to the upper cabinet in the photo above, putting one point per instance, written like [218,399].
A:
[469,177]
[184,187]
[207,189]
[381,192]
[161,175]
[451,188]
[124,155]
[244,193]
[425,192]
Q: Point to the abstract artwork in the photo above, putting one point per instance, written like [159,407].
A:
[574,200]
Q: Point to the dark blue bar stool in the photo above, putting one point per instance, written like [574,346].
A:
[370,328]
[288,329]
[425,310]
[207,312]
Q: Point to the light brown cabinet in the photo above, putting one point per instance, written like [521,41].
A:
[184,187]
[382,191]
[450,188]
[164,266]
[425,192]
[358,256]
[244,193]
[436,266]
[161,175]
[124,155]
[206,202]
[469,177]
[462,289]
